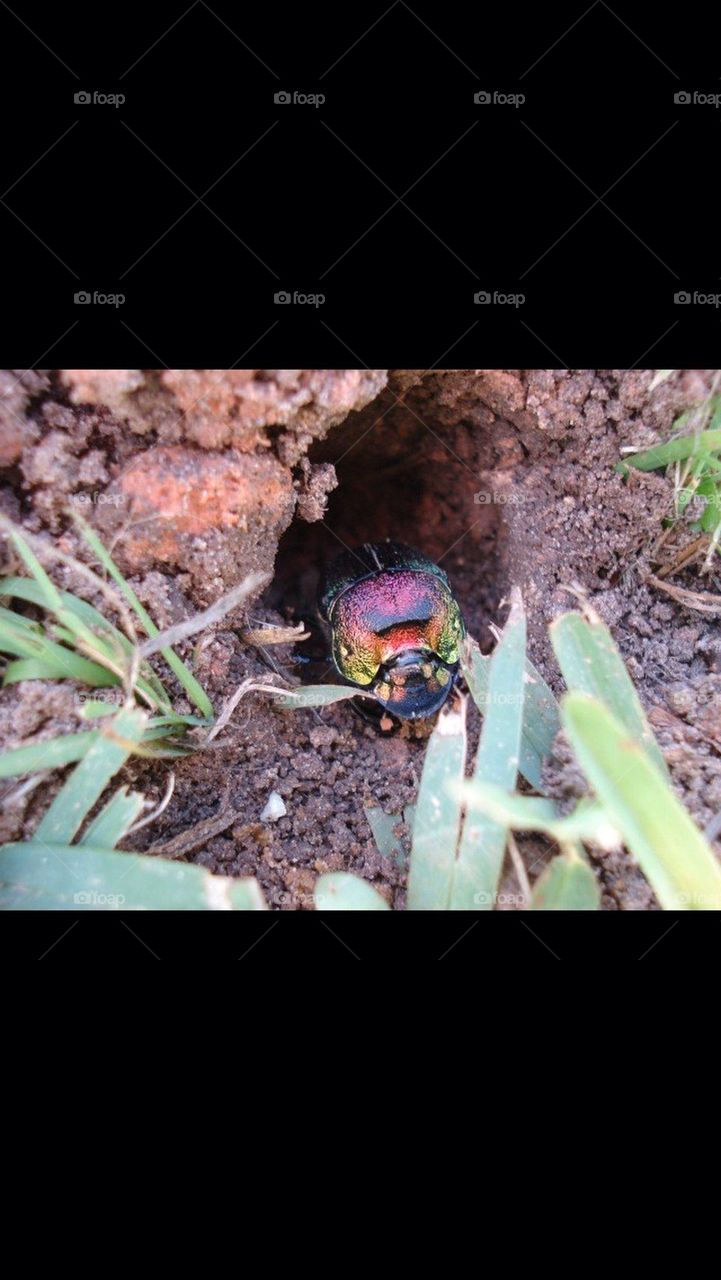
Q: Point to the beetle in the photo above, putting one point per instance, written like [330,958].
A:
[395,626]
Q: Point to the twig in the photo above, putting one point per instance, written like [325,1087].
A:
[199,621]
[272,633]
[195,837]
[660,540]
[28,785]
[246,686]
[701,601]
[158,809]
[712,548]
[685,557]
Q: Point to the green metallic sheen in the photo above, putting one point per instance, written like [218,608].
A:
[395,626]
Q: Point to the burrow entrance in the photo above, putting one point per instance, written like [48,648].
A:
[404,475]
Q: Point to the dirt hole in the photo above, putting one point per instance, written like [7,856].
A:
[412,480]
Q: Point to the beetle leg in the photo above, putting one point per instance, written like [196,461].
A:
[302,659]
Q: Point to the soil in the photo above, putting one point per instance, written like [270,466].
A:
[194,478]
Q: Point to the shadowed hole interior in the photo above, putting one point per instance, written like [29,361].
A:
[399,479]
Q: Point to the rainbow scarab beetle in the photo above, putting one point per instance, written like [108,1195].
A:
[395,626]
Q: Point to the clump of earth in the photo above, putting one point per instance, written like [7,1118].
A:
[194,478]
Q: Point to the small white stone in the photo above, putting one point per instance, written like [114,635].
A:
[274,809]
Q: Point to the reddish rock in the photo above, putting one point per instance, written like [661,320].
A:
[16,431]
[231,407]
[217,408]
[216,516]
[102,386]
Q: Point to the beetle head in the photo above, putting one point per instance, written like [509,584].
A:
[414,683]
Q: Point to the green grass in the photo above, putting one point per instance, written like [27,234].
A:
[76,641]
[53,871]
[693,460]
[60,868]
[466,810]
[462,825]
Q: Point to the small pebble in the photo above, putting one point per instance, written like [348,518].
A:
[274,809]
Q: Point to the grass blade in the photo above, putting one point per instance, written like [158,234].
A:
[659,376]
[541,723]
[28,590]
[474,666]
[340,891]
[382,824]
[671,851]
[480,854]
[437,821]
[62,663]
[53,602]
[59,664]
[589,820]
[52,754]
[194,690]
[541,720]
[314,695]
[673,451]
[83,878]
[112,746]
[50,596]
[566,884]
[114,819]
[588,657]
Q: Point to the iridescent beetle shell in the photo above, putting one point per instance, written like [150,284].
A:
[395,626]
